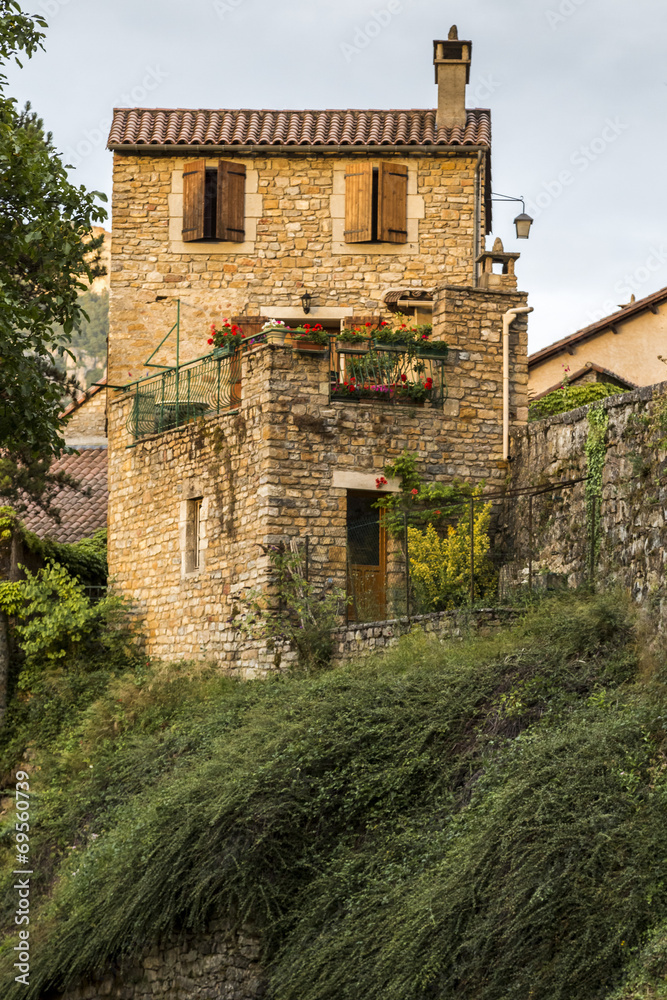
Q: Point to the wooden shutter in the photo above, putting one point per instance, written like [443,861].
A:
[359,203]
[231,201]
[350,322]
[251,325]
[194,194]
[393,203]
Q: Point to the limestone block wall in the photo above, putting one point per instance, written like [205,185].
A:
[632,528]
[294,228]
[360,639]
[218,963]
[280,467]
[86,420]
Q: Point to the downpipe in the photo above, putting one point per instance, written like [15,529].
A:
[508,319]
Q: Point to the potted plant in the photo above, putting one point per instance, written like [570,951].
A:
[413,392]
[353,340]
[275,331]
[227,339]
[309,338]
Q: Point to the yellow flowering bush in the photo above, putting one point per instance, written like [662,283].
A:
[440,567]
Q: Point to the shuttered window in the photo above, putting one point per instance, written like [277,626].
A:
[194,200]
[359,203]
[376,203]
[231,201]
[214,201]
[251,325]
[393,203]
[350,322]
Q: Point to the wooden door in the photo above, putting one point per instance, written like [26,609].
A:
[366,559]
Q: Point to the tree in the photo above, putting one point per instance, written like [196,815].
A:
[46,250]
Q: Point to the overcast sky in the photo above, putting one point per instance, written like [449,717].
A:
[577,89]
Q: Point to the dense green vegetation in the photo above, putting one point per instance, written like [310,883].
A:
[569,397]
[48,257]
[88,340]
[484,818]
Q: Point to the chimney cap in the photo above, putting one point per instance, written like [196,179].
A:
[452,51]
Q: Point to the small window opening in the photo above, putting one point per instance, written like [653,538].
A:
[210,203]
[193,536]
[374,210]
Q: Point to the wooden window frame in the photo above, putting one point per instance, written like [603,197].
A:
[193,535]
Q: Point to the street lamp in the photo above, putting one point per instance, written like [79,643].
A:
[523,222]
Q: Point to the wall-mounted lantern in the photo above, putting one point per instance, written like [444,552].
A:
[306,301]
[523,222]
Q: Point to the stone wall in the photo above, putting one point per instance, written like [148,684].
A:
[631,518]
[280,467]
[218,964]
[294,222]
[86,420]
[359,639]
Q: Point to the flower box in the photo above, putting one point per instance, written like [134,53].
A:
[275,334]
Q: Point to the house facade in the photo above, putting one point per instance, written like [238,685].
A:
[339,218]
[624,348]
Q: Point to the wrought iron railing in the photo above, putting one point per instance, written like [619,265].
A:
[180,395]
[389,374]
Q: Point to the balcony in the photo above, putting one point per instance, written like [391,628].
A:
[177,396]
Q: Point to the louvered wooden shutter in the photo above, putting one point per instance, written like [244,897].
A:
[350,322]
[251,325]
[231,201]
[194,194]
[393,203]
[359,203]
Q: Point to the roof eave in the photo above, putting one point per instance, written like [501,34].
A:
[264,149]
[622,316]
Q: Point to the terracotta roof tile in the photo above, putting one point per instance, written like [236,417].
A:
[80,516]
[179,126]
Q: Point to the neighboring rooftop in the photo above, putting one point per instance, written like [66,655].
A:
[80,515]
[182,127]
[566,344]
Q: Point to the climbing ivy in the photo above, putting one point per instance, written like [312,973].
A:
[598,421]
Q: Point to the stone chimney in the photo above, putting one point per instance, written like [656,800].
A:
[451,59]
[504,278]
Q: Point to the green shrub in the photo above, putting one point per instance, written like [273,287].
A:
[569,397]
[485,817]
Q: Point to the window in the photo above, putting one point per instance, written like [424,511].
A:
[193,535]
[376,203]
[214,201]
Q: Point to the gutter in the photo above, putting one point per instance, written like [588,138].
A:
[477,220]
[180,149]
[508,319]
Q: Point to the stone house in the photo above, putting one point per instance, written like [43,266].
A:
[339,217]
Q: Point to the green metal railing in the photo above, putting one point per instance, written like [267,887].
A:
[389,374]
[180,395]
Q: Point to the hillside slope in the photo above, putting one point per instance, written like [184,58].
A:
[485,819]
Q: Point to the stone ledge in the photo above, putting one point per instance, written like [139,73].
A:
[362,638]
